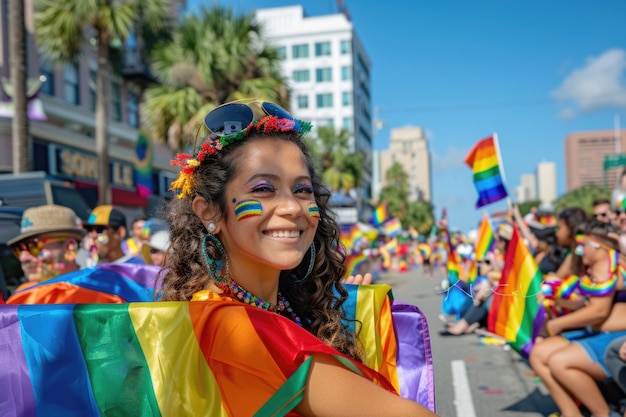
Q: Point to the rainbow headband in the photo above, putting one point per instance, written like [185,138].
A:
[188,163]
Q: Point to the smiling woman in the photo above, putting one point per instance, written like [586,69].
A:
[250,229]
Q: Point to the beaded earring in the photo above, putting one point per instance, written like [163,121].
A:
[295,278]
[216,265]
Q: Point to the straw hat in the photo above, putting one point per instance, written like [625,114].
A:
[48,219]
[159,241]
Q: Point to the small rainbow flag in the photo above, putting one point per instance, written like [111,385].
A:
[483,159]
[354,264]
[380,214]
[392,227]
[514,304]
[485,239]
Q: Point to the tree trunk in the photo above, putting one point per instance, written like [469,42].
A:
[102,102]
[19,126]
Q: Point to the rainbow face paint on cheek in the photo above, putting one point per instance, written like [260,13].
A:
[314,211]
[248,208]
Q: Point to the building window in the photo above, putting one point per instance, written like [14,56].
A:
[303,102]
[322,49]
[71,84]
[327,122]
[345,73]
[346,98]
[347,123]
[132,105]
[116,100]
[92,89]
[282,52]
[301,76]
[323,75]
[345,47]
[324,100]
[47,70]
[300,51]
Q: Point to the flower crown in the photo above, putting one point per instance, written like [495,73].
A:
[188,163]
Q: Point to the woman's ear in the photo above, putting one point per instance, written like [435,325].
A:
[206,212]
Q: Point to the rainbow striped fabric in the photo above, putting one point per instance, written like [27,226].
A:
[396,340]
[77,359]
[485,239]
[108,283]
[483,159]
[514,305]
[155,359]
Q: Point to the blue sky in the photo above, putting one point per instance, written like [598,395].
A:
[531,71]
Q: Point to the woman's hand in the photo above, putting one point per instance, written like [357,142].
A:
[359,279]
[553,328]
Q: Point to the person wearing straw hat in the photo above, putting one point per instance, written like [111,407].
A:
[156,248]
[48,242]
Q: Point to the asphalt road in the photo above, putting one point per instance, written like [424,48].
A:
[473,377]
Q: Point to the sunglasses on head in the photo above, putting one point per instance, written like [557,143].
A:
[231,118]
[35,246]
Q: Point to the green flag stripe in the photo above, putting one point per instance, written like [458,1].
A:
[119,374]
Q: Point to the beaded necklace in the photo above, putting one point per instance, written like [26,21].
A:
[247,297]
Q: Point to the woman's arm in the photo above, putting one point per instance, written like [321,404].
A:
[332,390]
[595,312]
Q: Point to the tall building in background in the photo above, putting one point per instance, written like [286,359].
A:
[546,182]
[584,157]
[409,147]
[527,190]
[328,73]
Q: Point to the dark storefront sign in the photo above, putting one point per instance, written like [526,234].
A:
[81,168]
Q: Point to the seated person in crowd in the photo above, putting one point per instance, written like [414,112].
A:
[106,231]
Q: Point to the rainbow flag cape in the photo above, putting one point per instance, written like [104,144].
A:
[396,340]
[380,214]
[107,283]
[155,359]
[514,304]
[483,159]
[392,227]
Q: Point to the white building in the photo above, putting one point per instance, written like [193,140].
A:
[546,182]
[527,190]
[408,146]
[328,72]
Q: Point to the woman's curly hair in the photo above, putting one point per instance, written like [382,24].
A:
[317,300]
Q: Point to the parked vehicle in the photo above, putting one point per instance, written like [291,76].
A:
[10,270]
[37,188]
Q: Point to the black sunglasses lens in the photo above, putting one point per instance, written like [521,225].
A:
[228,119]
[274,110]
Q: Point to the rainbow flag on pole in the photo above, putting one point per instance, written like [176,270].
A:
[514,305]
[392,227]
[488,177]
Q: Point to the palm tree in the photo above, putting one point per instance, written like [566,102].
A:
[21,154]
[63,27]
[213,57]
[395,193]
[582,197]
[342,170]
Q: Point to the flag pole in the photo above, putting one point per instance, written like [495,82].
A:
[496,143]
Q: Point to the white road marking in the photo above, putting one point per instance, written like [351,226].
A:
[462,393]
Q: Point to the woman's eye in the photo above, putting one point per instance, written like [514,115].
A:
[264,187]
[303,188]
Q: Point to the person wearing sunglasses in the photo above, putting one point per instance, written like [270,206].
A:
[602,210]
[48,243]
[570,360]
[106,231]
[252,235]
